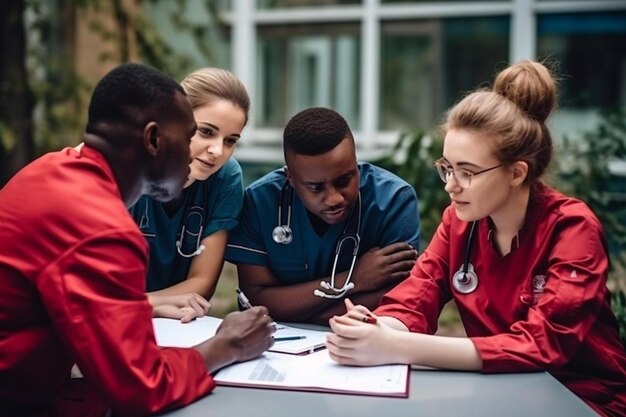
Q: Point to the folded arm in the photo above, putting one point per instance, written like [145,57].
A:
[376,272]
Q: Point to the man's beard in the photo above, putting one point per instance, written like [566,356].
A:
[162,193]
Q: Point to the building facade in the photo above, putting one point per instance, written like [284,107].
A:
[395,66]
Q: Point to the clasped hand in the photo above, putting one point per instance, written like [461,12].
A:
[380,267]
[184,307]
[357,342]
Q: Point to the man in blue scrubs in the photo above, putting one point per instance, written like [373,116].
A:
[323,198]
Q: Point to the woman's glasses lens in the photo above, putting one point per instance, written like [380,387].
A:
[462,178]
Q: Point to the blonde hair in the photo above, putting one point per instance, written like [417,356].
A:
[512,115]
[208,84]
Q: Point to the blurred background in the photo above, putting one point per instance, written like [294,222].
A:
[391,67]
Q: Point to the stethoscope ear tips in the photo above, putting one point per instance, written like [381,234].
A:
[282,234]
[327,286]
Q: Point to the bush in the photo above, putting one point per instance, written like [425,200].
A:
[582,169]
[618,303]
[413,158]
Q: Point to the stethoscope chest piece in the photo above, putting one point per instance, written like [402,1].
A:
[282,234]
[465,282]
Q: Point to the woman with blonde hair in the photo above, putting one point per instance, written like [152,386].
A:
[188,235]
[525,264]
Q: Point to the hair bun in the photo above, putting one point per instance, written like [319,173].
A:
[529,85]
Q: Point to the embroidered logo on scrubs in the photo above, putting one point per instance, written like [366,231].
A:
[539,282]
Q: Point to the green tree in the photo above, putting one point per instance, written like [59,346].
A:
[42,95]
[16,98]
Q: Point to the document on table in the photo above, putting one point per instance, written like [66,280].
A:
[316,372]
[173,333]
[170,332]
[312,340]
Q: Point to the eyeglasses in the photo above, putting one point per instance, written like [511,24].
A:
[463,178]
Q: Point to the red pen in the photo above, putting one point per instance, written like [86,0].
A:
[370,319]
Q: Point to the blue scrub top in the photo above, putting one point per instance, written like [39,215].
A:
[389,215]
[220,196]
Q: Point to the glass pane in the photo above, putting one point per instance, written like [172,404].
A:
[278,4]
[204,40]
[307,66]
[590,54]
[436,1]
[427,65]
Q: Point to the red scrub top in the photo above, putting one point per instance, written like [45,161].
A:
[543,306]
[72,281]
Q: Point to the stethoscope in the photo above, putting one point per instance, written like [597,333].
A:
[191,212]
[465,279]
[196,212]
[283,234]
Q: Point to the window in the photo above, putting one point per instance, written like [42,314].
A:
[426,66]
[589,49]
[276,4]
[432,1]
[307,66]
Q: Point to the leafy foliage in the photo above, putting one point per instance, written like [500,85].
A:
[413,158]
[583,170]
[127,33]
[618,303]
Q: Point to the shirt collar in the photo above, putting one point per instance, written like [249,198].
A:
[536,203]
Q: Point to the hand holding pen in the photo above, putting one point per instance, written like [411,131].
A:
[359,338]
[241,336]
[244,302]
[360,313]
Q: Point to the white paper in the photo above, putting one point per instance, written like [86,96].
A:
[173,333]
[312,341]
[315,372]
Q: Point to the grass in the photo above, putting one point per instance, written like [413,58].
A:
[224,301]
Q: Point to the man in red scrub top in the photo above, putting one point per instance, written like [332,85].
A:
[73,266]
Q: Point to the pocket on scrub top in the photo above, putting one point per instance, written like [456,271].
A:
[289,271]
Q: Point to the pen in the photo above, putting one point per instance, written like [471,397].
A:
[370,319]
[245,303]
[285,338]
[243,300]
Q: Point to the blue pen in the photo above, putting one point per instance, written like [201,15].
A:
[285,338]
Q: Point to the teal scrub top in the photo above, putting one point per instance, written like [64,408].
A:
[389,215]
[214,204]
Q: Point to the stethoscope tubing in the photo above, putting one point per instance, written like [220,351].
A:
[199,210]
[465,280]
[283,234]
[356,237]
